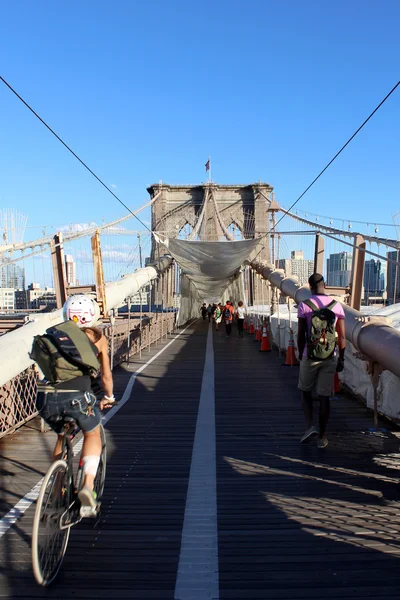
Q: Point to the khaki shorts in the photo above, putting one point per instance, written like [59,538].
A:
[317,375]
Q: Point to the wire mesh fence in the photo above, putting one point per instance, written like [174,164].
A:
[17,396]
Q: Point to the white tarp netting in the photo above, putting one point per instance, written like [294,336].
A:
[211,266]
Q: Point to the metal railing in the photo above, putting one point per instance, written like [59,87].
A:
[17,396]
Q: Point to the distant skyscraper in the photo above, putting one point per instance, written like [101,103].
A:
[393,278]
[372,278]
[297,265]
[70,269]
[12,276]
[338,269]
[383,282]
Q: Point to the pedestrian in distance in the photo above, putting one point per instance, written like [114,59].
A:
[203,310]
[320,322]
[228,312]
[218,316]
[209,312]
[240,316]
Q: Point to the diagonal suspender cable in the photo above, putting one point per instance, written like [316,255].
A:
[341,149]
[72,152]
[333,159]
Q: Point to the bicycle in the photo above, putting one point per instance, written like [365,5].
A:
[58,507]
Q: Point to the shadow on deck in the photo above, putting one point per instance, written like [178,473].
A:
[294,521]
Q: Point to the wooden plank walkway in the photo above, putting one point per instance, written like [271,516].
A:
[294,522]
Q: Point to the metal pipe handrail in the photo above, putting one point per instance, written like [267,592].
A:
[372,336]
[16,345]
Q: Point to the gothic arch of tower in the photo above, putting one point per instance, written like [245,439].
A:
[244,205]
[210,209]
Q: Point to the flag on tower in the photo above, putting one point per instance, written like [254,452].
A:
[208,165]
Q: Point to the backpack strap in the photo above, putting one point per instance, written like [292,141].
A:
[311,305]
[331,304]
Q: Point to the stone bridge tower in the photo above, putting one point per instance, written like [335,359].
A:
[248,208]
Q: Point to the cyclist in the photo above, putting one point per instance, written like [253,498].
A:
[75,398]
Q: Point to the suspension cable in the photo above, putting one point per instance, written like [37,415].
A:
[72,152]
[332,159]
[341,149]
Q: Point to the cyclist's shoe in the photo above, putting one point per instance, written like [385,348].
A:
[88,500]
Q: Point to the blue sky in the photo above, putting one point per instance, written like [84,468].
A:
[147,91]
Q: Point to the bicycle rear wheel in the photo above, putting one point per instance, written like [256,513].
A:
[49,542]
[101,471]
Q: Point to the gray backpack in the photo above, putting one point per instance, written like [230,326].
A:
[321,339]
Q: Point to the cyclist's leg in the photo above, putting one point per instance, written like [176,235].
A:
[48,405]
[91,452]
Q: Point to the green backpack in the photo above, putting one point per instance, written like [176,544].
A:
[64,352]
[321,339]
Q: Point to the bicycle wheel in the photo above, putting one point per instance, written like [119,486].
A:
[101,471]
[49,542]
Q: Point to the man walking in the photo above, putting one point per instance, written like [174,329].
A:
[203,310]
[320,319]
[228,311]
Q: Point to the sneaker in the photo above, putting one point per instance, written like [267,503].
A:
[88,500]
[309,434]
[322,442]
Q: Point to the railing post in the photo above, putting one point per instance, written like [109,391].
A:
[357,271]
[319,253]
[99,273]
[129,328]
[168,299]
[58,263]
[140,324]
[112,322]
[150,314]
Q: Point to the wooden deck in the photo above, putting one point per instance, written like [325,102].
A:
[294,522]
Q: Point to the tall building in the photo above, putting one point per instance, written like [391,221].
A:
[372,278]
[39,298]
[338,269]
[297,265]
[21,299]
[393,277]
[70,269]
[12,276]
[7,300]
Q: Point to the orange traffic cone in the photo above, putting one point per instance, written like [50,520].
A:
[251,328]
[258,334]
[337,384]
[265,347]
[291,360]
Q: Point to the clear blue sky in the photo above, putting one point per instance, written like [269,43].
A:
[144,91]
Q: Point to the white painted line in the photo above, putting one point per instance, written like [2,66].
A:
[198,577]
[22,506]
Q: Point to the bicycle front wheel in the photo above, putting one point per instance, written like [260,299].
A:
[101,471]
[49,541]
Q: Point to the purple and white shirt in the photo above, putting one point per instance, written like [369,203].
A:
[320,300]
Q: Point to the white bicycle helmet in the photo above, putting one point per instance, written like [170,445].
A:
[82,310]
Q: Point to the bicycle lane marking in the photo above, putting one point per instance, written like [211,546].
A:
[22,506]
[198,575]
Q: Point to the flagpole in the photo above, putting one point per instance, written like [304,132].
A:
[209,170]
